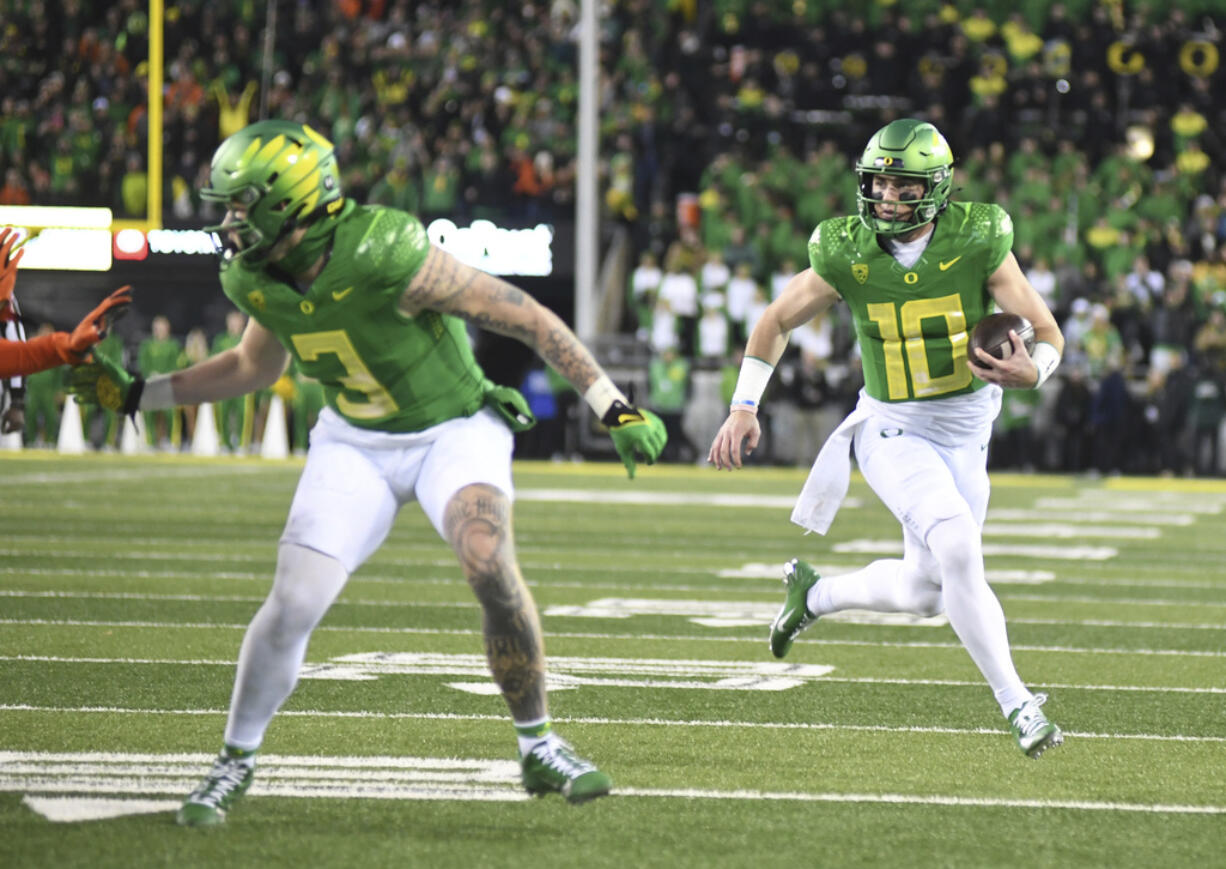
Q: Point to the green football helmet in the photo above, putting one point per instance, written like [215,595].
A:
[906,148]
[284,174]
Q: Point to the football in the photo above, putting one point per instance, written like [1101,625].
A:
[992,334]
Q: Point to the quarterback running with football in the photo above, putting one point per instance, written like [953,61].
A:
[917,272]
[365,304]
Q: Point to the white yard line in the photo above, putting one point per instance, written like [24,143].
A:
[480,672]
[771,574]
[719,724]
[928,800]
[692,638]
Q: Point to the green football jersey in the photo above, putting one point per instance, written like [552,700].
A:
[379,368]
[912,324]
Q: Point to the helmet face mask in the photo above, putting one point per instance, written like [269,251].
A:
[273,177]
[906,149]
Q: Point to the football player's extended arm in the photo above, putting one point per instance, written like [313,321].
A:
[1014,294]
[448,286]
[255,363]
[805,296]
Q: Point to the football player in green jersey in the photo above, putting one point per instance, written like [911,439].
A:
[362,302]
[918,272]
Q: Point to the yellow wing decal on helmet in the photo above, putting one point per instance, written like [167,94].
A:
[316,138]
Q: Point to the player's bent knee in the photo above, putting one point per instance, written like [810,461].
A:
[306,584]
[477,524]
[955,544]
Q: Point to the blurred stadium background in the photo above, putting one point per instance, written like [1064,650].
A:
[721,133]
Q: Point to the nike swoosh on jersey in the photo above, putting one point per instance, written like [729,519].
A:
[340,294]
[947,265]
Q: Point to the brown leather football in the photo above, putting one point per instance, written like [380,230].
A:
[992,334]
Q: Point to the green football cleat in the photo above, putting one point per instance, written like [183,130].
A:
[553,767]
[1034,733]
[794,617]
[227,781]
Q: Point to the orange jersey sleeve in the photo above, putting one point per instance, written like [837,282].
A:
[27,357]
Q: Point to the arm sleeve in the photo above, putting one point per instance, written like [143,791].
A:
[28,357]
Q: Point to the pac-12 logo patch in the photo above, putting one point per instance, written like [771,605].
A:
[859,271]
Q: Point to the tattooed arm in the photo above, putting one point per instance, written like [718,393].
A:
[448,286]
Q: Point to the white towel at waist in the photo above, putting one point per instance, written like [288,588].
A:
[948,421]
[827,484]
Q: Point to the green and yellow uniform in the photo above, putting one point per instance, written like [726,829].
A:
[912,323]
[379,368]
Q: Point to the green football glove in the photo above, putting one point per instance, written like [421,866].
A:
[102,382]
[638,435]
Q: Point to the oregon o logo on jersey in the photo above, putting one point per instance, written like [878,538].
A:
[859,271]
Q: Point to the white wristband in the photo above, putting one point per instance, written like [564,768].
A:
[755,374]
[601,395]
[1045,357]
[158,393]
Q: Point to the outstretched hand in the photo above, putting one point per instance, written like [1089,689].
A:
[94,327]
[8,262]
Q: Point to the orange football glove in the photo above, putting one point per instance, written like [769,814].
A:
[75,347]
[8,263]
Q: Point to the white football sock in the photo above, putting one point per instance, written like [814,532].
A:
[973,608]
[529,733]
[306,584]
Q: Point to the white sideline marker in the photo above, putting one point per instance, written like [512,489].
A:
[205,441]
[71,440]
[275,443]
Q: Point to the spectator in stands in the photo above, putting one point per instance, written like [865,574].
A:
[43,398]
[14,191]
[668,378]
[1210,345]
[1071,420]
[679,293]
[1174,326]
[1145,284]
[644,289]
[195,349]
[161,353]
[742,291]
[713,331]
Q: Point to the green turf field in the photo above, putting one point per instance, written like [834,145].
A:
[126,584]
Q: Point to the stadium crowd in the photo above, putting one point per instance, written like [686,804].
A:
[729,130]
